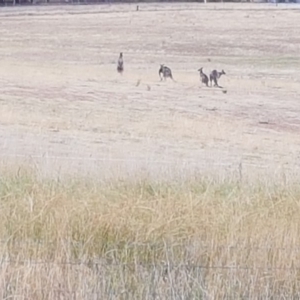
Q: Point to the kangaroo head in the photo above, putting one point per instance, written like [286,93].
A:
[223,72]
[200,70]
[161,69]
[121,54]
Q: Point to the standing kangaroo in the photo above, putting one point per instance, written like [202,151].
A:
[166,72]
[214,76]
[120,67]
[204,77]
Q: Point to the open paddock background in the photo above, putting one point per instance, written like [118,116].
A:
[65,108]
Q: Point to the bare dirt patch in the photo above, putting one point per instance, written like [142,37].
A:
[63,103]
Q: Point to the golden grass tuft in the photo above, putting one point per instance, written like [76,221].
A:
[196,238]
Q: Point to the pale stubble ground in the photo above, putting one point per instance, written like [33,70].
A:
[61,97]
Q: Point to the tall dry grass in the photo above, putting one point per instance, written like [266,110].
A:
[142,239]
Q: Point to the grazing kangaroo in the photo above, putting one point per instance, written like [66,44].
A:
[214,76]
[166,72]
[120,67]
[204,77]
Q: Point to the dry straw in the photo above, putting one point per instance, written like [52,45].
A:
[200,238]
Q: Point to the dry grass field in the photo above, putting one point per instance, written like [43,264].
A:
[62,97]
[190,224]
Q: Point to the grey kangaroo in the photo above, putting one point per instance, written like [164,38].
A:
[214,76]
[120,67]
[204,77]
[165,72]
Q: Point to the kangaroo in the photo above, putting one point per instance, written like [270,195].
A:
[214,76]
[204,77]
[166,72]
[120,67]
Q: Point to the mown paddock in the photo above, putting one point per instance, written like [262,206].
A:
[65,110]
[62,97]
